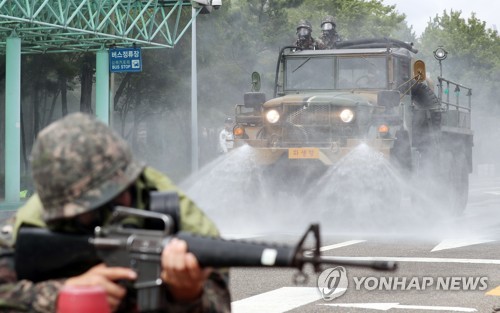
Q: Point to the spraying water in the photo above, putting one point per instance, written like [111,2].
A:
[362,194]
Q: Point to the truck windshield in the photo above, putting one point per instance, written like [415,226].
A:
[327,73]
[362,72]
[309,73]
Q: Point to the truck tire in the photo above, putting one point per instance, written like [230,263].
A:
[424,97]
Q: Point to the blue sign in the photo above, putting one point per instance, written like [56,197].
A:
[125,60]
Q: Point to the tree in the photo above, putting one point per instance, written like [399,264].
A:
[241,37]
[467,41]
[86,76]
[473,53]
[473,60]
[355,18]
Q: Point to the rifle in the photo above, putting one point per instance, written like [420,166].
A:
[41,254]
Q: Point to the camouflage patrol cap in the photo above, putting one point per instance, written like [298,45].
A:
[79,164]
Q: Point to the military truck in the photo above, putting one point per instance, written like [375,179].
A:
[371,91]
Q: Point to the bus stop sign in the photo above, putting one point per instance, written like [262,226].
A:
[125,60]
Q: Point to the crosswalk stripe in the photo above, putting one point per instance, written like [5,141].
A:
[458,243]
[340,245]
[390,306]
[277,301]
[496,193]
[240,236]
[416,260]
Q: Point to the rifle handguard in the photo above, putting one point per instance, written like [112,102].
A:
[218,252]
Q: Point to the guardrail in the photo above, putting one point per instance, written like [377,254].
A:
[457,89]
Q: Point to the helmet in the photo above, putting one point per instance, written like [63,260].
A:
[304,29]
[304,24]
[228,120]
[328,23]
[79,164]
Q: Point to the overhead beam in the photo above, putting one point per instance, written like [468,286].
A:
[55,26]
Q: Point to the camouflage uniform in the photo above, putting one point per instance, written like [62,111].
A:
[329,36]
[55,183]
[307,44]
[304,37]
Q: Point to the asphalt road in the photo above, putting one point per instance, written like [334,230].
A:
[444,264]
[448,266]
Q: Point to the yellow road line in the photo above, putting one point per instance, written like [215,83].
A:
[494,292]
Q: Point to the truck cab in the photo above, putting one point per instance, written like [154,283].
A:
[375,92]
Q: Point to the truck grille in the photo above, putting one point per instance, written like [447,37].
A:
[315,123]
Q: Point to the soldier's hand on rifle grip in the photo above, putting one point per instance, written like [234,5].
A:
[105,277]
[181,271]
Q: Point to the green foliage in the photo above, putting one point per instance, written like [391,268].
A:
[355,18]
[473,60]
[405,33]
[471,46]
[241,37]
[473,54]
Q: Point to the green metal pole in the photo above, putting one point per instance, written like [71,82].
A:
[102,86]
[194,97]
[111,97]
[13,120]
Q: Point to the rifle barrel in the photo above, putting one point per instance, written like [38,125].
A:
[380,265]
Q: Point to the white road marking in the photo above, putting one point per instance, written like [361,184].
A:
[238,236]
[496,193]
[389,306]
[372,306]
[278,300]
[417,260]
[458,243]
[340,245]
[335,246]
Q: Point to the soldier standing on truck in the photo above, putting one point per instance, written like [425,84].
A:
[304,36]
[329,36]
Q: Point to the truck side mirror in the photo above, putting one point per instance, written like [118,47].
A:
[254,100]
[388,98]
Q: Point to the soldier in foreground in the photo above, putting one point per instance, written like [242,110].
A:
[81,170]
[304,36]
[329,36]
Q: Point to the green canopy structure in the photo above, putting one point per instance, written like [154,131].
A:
[51,26]
[63,26]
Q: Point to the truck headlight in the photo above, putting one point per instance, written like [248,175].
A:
[272,116]
[347,116]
